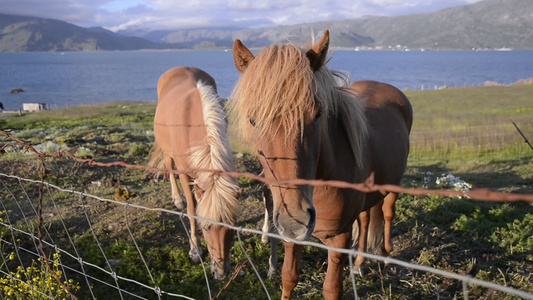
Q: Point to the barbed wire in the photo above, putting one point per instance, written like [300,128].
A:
[481,194]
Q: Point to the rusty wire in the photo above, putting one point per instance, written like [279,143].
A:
[479,194]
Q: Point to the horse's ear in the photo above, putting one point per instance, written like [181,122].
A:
[317,54]
[242,56]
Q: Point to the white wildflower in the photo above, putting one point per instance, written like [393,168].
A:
[453,182]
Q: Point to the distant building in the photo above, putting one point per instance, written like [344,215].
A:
[34,106]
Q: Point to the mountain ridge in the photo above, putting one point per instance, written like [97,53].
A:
[23,34]
[488,24]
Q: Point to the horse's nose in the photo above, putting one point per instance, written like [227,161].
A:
[312,218]
[217,271]
[298,226]
[218,276]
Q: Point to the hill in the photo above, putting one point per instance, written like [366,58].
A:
[21,33]
[488,24]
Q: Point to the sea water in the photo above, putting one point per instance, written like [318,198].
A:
[62,79]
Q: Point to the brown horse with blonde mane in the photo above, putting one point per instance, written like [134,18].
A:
[190,128]
[305,124]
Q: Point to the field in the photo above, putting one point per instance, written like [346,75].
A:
[461,137]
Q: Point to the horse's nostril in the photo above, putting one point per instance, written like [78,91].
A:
[312,216]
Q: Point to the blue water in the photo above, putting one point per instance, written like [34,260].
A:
[76,78]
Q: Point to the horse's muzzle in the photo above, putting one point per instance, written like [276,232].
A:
[219,270]
[298,226]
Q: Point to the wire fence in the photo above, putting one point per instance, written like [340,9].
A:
[30,236]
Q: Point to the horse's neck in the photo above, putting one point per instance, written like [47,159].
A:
[336,154]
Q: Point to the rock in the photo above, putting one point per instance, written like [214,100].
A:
[492,83]
[16,91]
[523,81]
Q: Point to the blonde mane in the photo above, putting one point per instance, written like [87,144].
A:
[219,199]
[279,85]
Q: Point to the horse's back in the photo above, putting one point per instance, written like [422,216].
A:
[389,119]
[179,121]
[184,75]
[386,99]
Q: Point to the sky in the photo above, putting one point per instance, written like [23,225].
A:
[183,14]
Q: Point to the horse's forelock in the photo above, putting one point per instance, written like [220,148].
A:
[278,85]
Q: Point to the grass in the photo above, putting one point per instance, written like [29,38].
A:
[465,132]
[469,131]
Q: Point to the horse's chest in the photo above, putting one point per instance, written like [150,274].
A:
[336,207]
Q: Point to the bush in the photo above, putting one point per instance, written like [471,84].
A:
[36,282]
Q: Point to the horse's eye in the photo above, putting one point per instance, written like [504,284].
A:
[252,121]
[318,114]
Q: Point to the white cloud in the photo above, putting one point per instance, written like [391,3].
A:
[133,23]
[261,5]
[171,14]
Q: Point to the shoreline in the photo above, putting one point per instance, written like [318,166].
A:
[487,84]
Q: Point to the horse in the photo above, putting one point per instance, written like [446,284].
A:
[381,102]
[305,124]
[190,128]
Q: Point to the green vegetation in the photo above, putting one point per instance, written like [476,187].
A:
[460,138]
[37,281]
[472,122]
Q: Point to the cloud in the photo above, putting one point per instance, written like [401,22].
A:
[171,14]
[138,22]
[73,11]
[261,5]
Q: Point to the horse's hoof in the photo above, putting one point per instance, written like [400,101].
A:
[271,273]
[195,256]
[390,269]
[264,239]
[358,271]
[195,260]
[179,203]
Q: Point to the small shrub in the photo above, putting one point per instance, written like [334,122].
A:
[138,150]
[36,281]
[516,237]
[50,147]
[84,152]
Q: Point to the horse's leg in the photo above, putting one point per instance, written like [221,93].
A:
[273,259]
[269,205]
[176,197]
[388,215]
[196,252]
[267,198]
[291,269]
[332,288]
[363,220]
[266,225]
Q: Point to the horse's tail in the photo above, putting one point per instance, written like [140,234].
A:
[219,198]
[157,157]
[157,160]
[376,227]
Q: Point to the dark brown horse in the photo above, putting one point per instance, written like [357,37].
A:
[385,108]
[190,128]
[304,125]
